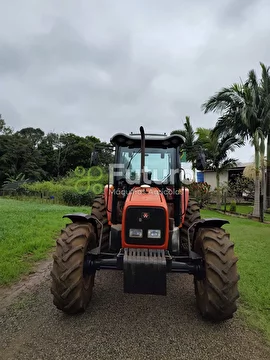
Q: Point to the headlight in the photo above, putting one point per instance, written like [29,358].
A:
[154,234]
[135,233]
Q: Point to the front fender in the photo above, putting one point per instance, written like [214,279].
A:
[81,217]
[211,222]
[86,218]
[205,223]
[78,217]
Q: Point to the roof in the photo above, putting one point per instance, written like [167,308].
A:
[151,140]
[239,166]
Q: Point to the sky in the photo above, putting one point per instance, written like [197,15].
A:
[103,67]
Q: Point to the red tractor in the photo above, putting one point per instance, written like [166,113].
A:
[146,225]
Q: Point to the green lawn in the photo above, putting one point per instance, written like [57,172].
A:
[252,245]
[243,209]
[27,231]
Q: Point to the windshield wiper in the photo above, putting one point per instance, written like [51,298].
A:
[132,157]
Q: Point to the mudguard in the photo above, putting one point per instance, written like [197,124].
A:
[81,217]
[205,223]
[211,222]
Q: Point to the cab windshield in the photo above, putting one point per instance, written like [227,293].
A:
[158,162]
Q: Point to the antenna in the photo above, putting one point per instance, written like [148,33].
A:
[142,153]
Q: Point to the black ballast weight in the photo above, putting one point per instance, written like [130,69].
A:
[144,271]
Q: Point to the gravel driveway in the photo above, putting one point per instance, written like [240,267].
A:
[121,326]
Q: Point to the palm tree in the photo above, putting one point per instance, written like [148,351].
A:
[191,144]
[265,96]
[261,94]
[268,173]
[217,148]
[243,112]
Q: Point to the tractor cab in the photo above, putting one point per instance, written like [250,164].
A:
[150,162]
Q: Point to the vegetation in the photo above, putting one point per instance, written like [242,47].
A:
[245,110]
[77,188]
[200,191]
[27,234]
[241,209]
[244,115]
[192,144]
[251,240]
[240,187]
[216,148]
[233,206]
[32,155]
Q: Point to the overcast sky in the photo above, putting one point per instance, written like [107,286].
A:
[100,67]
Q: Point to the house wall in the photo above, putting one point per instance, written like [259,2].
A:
[210,178]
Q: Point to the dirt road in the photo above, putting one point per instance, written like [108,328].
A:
[120,326]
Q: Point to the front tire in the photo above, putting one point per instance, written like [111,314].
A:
[217,292]
[71,288]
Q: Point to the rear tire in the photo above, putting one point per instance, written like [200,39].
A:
[71,288]
[217,292]
[99,210]
[192,215]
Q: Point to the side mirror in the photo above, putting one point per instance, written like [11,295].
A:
[200,161]
[94,159]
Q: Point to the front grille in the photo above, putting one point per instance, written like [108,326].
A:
[135,220]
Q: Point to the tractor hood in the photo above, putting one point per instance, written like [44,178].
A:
[146,196]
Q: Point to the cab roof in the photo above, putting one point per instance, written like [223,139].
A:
[151,140]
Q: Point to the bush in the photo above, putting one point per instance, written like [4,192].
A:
[233,206]
[241,188]
[77,188]
[72,198]
[200,191]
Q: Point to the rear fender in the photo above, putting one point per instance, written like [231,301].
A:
[205,223]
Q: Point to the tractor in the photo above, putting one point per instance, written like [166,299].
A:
[145,224]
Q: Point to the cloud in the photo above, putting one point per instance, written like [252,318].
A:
[100,67]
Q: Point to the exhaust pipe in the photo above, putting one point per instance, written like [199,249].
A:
[142,154]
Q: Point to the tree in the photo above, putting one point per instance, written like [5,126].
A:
[265,105]
[217,147]
[34,135]
[5,130]
[17,156]
[191,143]
[243,112]
[36,156]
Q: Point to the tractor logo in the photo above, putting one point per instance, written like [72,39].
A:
[145,215]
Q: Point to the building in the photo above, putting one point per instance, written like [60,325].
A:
[209,176]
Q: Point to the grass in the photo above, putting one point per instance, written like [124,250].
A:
[252,245]
[243,209]
[27,232]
